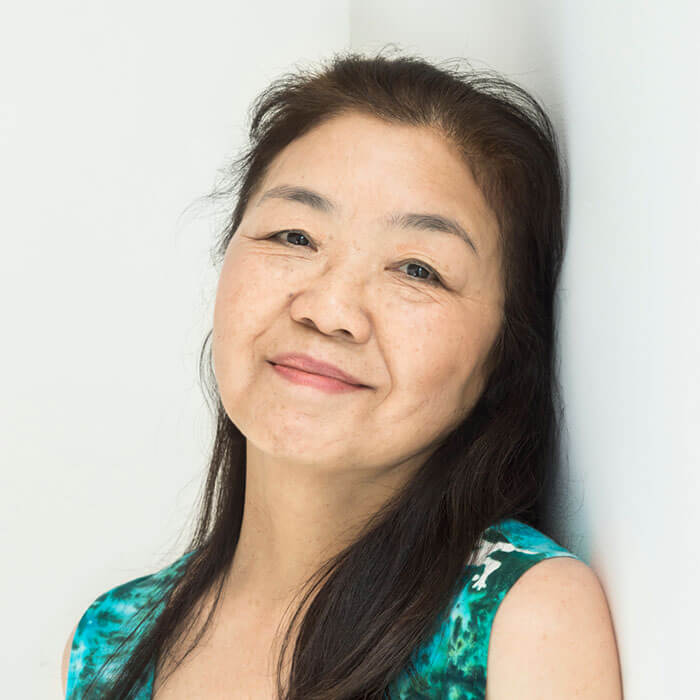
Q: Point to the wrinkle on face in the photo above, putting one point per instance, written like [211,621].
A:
[348,298]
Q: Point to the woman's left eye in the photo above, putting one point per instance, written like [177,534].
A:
[435,280]
[295,233]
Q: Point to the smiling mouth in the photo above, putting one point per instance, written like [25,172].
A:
[319,381]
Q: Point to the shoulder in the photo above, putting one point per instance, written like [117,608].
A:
[456,657]
[66,660]
[553,636]
[109,623]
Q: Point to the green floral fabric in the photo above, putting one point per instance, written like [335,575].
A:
[451,666]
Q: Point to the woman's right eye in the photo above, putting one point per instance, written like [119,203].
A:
[291,232]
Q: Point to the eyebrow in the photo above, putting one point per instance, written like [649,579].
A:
[405,220]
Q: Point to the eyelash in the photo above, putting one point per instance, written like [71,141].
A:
[436,281]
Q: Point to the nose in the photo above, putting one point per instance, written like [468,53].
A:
[333,303]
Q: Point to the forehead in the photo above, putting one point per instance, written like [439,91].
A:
[365,164]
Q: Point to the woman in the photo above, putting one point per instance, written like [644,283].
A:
[382,364]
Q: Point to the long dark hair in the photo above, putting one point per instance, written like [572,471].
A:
[359,631]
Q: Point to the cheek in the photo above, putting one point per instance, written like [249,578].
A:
[237,313]
[432,349]
[240,295]
[436,360]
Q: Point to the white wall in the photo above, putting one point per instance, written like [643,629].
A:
[114,118]
[621,83]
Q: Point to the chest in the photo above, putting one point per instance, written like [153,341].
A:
[244,668]
[230,661]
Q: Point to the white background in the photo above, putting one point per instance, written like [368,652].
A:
[115,119]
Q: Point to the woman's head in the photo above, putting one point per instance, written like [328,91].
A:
[359,270]
[376,137]
[461,379]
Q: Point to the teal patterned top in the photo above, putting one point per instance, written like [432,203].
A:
[453,661]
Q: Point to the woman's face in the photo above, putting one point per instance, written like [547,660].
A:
[349,288]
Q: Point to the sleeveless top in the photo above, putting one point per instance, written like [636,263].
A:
[452,663]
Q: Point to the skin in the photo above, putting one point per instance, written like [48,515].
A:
[319,465]
[553,637]
[345,294]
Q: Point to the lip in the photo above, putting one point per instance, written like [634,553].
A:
[310,364]
[328,385]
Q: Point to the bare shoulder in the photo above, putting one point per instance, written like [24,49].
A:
[66,660]
[553,637]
